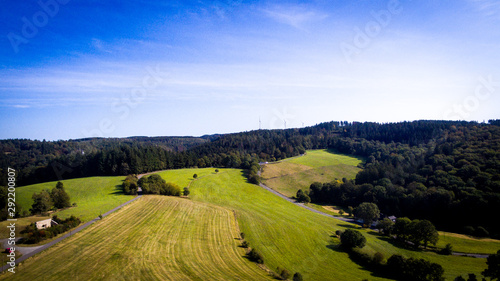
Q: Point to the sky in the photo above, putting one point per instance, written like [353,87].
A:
[73,69]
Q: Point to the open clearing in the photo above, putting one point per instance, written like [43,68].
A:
[154,238]
[290,175]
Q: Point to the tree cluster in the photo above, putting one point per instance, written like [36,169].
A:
[302,197]
[130,185]
[418,232]
[155,184]
[411,269]
[46,200]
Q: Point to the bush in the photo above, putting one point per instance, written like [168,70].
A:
[284,274]
[255,256]
[378,258]
[351,239]
[447,250]
[297,277]
[186,191]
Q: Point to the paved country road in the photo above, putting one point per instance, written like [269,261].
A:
[306,207]
[31,251]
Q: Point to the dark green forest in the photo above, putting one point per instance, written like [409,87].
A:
[445,171]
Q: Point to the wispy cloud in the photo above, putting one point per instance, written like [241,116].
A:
[295,16]
[488,7]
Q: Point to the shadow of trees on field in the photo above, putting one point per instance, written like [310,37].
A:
[349,226]
[118,190]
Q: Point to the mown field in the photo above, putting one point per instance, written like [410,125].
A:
[154,238]
[93,196]
[290,175]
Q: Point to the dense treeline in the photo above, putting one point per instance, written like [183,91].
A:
[435,170]
[453,180]
[41,161]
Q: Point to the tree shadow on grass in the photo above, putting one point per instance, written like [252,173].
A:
[364,263]
[396,243]
[349,226]
[118,190]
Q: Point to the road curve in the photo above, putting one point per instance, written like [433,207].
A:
[304,206]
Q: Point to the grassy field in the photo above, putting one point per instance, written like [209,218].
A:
[290,175]
[155,238]
[169,238]
[93,196]
[465,244]
[299,240]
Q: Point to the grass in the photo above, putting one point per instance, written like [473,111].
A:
[154,238]
[324,157]
[180,239]
[93,196]
[290,175]
[465,244]
[298,240]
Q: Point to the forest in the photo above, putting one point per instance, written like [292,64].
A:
[445,171]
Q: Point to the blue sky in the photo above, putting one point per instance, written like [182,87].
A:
[72,69]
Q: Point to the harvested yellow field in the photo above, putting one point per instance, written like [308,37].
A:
[154,238]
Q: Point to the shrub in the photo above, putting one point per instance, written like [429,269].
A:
[447,250]
[255,256]
[297,277]
[351,239]
[378,258]
[284,274]
[186,191]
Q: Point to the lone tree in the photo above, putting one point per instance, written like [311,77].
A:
[350,239]
[60,197]
[195,176]
[423,231]
[493,270]
[367,212]
[42,202]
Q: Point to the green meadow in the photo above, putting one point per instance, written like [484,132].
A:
[290,175]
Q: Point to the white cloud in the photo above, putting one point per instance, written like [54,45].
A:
[295,16]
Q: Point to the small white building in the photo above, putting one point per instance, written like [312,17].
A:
[45,224]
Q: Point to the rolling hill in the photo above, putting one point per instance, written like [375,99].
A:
[289,175]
